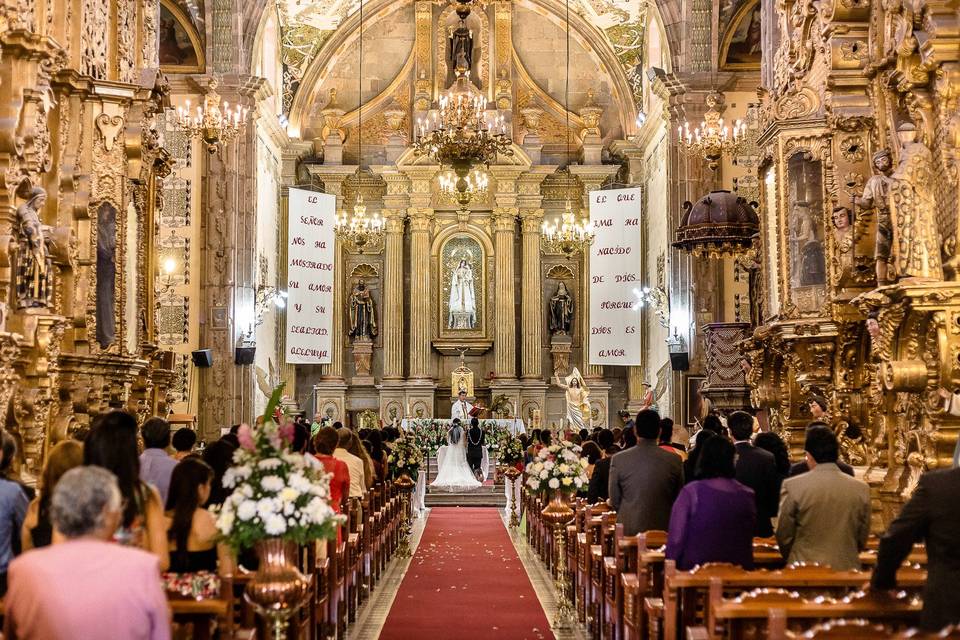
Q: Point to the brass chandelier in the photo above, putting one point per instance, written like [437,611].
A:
[211,123]
[356,227]
[712,139]
[460,133]
[568,234]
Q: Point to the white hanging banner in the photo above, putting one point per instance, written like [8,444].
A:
[310,263]
[614,274]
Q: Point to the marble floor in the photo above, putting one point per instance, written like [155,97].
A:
[373,614]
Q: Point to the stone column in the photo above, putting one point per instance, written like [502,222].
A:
[421,220]
[504,331]
[532,287]
[392,311]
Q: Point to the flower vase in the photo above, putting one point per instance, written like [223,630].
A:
[278,588]
[558,511]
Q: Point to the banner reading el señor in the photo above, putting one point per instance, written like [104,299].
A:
[310,254]
[614,274]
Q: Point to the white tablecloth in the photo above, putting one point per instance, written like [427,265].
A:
[514,425]
[515,492]
[421,491]
[484,464]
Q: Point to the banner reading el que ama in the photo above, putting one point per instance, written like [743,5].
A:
[614,274]
[310,255]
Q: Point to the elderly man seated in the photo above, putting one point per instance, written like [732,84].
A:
[85,587]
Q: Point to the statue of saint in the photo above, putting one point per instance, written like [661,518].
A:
[461,49]
[876,194]
[843,235]
[363,319]
[916,238]
[463,302]
[34,262]
[578,404]
[561,311]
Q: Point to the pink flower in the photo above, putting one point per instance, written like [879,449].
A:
[287,431]
[245,436]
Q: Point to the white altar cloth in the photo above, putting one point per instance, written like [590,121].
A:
[514,425]
[420,493]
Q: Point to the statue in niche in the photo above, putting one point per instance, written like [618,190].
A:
[363,319]
[807,255]
[461,49]
[561,311]
[916,246]
[33,273]
[876,194]
[106,274]
[463,301]
[843,235]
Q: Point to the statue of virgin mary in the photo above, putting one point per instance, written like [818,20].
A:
[463,303]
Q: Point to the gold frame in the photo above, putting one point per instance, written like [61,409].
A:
[474,340]
[191,32]
[732,27]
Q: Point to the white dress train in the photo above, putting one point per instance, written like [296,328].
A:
[453,472]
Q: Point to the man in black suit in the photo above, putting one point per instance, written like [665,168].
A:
[598,489]
[476,439]
[756,469]
[931,516]
[802,467]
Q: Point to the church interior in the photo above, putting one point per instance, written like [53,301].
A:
[386,318]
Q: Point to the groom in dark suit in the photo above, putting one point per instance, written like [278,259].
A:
[476,439]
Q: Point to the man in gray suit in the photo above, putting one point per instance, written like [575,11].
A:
[824,514]
[645,479]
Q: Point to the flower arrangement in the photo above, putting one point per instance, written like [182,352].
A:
[406,457]
[512,451]
[429,435]
[275,494]
[558,467]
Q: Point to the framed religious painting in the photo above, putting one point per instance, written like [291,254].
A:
[461,292]
[740,47]
[179,44]
[693,401]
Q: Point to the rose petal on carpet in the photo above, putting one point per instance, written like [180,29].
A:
[464,582]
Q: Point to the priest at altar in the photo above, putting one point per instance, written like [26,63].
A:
[461,409]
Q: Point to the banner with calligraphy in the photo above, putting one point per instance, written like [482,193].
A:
[310,256]
[615,265]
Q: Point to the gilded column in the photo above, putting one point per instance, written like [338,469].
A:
[531,285]
[504,333]
[420,334]
[393,296]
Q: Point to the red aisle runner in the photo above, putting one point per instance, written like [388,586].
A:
[466,582]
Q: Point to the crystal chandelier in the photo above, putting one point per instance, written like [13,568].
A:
[477,181]
[211,123]
[712,139]
[359,229]
[567,235]
[461,134]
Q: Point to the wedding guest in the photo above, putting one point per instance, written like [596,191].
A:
[13,510]
[37,530]
[325,442]
[617,434]
[756,469]
[690,464]
[155,464]
[584,435]
[598,489]
[86,588]
[773,443]
[300,444]
[824,514]
[605,440]
[644,479]
[357,477]
[592,453]
[377,454]
[546,438]
[183,441]
[191,529]
[9,465]
[356,448]
[219,455]
[629,437]
[803,467]
[666,438]
[713,517]
[112,444]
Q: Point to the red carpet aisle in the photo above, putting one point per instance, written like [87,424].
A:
[466,582]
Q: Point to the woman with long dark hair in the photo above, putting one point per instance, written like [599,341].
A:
[374,446]
[112,444]
[37,529]
[219,455]
[191,529]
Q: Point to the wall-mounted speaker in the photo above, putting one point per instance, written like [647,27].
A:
[244,355]
[679,361]
[202,358]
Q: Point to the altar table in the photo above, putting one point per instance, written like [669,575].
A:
[513,425]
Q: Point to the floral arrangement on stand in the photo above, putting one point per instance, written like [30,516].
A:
[429,435]
[275,494]
[557,468]
[406,457]
[511,453]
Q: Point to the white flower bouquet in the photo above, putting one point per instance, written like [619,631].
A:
[558,467]
[512,451]
[405,457]
[275,494]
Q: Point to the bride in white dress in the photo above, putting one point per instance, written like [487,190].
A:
[453,472]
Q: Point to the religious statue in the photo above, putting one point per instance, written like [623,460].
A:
[363,319]
[578,404]
[561,310]
[807,249]
[843,235]
[33,274]
[916,238]
[876,193]
[461,49]
[463,303]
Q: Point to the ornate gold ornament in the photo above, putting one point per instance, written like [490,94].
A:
[711,139]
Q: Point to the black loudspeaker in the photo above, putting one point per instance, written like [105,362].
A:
[202,358]
[244,355]
[679,361]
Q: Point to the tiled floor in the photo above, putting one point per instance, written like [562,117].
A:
[372,615]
